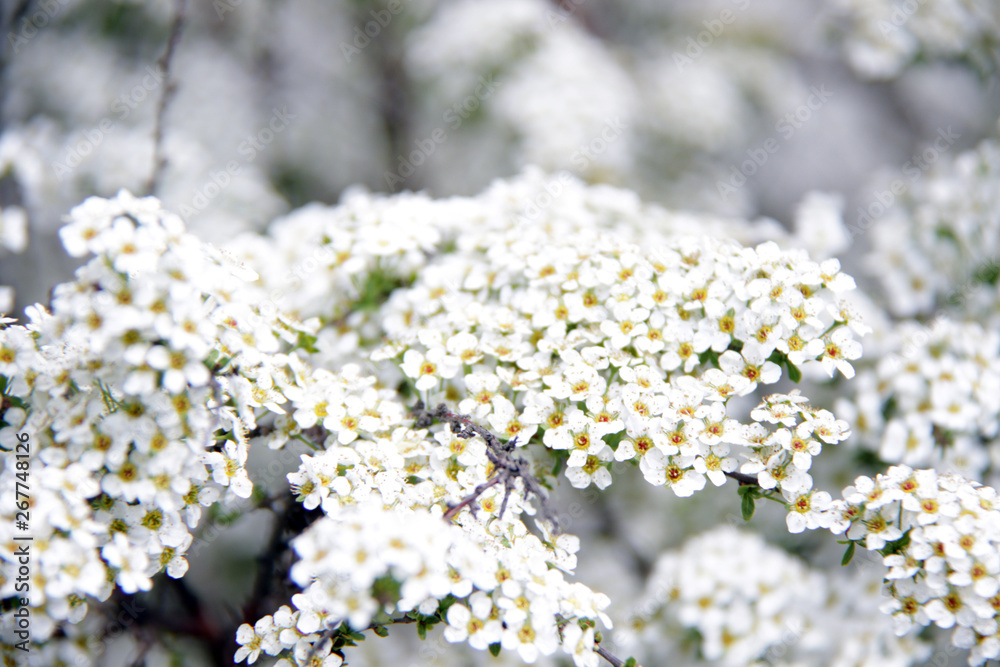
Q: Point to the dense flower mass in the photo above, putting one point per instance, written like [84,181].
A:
[938,535]
[555,326]
[593,350]
[737,600]
[120,387]
[934,247]
[933,399]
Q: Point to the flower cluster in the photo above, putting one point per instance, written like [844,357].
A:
[930,249]
[884,37]
[117,387]
[370,564]
[747,601]
[563,335]
[581,329]
[781,458]
[602,350]
[384,548]
[933,398]
[939,535]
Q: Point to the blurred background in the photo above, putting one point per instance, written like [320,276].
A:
[732,107]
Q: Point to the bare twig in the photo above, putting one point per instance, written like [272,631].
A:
[169,88]
[743,478]
[507,468]
[607,655]
[471,498]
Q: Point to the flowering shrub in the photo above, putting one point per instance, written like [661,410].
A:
[243,428]
[148,378]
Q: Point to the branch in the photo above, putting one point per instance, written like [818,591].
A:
[507,467]
[607,655]
[169,88]
[743,478]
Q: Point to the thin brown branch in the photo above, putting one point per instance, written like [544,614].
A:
[169,88]
[471,498]
[507,467]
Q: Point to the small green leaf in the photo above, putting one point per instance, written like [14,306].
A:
[630,662]
[495,649]
[849,554]
[747,506]
[307,342]
[381,630]
[794,374]
[709,356]
[421,630]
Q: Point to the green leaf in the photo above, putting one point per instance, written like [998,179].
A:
[495,649]
[747,506]
[381,630]
[849,554]
[794,374]
[421,630]
[307,342]
[630,662]
[709,356]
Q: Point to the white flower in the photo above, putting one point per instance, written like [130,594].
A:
[228,470]
[131,563]
[584,468]
[839,351]
[429,369]
[179,370]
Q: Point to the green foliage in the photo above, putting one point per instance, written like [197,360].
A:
[747,504]
[780,358]
[376,288]
[849,554]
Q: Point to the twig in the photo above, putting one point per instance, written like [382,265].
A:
[743,478]
[169,88]
[607,655]
[507,467]
[471,498]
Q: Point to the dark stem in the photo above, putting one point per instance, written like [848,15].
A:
[743,478]
[471,498]
[169,88]
[507,467]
